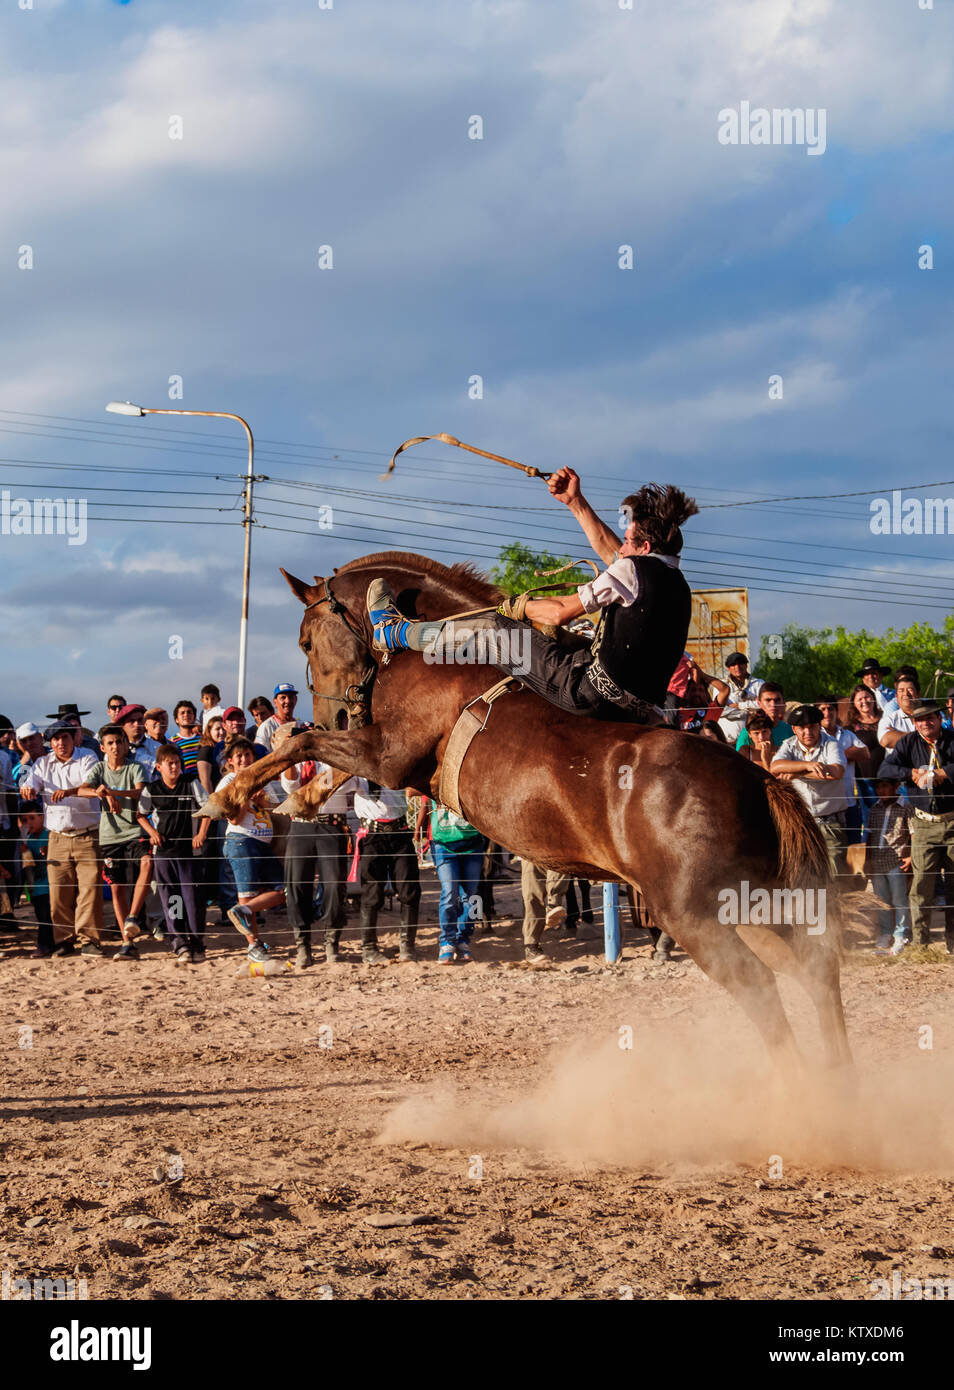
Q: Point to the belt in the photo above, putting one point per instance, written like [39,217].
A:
[604,685]
[924,815]
[390,825]
[88,830]
[335,818]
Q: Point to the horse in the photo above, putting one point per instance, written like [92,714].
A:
[686,819]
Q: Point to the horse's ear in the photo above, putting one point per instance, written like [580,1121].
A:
[299,588]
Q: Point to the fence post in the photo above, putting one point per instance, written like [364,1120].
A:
[612,942]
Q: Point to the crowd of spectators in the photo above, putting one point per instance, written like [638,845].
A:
[89,818]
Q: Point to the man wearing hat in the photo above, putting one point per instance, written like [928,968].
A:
[872,675]
[816,765]
[743,698]
[74,867]
[31,747]
[285,698]
[926,759]
[72,714]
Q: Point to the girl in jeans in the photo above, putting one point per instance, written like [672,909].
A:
[248,848]
[458,851]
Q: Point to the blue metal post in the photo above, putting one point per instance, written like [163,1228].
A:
[612,937]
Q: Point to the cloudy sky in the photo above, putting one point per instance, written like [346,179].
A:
[349,127]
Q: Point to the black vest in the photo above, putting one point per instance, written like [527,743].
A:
[639,647]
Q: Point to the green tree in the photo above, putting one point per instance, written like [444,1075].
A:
[517,565]
[819,661]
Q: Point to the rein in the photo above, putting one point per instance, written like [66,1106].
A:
[357,696]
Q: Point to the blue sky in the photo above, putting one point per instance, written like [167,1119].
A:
[453,257]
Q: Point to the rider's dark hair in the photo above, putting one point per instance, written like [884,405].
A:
[657,513]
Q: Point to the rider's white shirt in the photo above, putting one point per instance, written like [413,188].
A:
[618,583]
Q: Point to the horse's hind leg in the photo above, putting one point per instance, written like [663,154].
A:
[725,958]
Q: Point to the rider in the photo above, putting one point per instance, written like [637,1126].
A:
[644,604]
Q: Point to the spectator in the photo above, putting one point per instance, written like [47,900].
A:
[116,782]
[760,748]
[544,894]
[210,698]
[72,715]
[156,721]
[286,698]
[260,709]
[900,674]
[582,910]
[8,739]
[863,718]
[233,721]
[8,842]
[893,725]
[872,675]
[458,851]
[814,762]
[771,701]
[248,839]
[855,752]
[948,720]
[113,705]
[210,754]
[74,868]
[925,758]
[33,856]
[887,862]
[142,748]
[30,746]
[189,735]
[743,688]
[314,845]
[166,809]
[703,701]
[387,849]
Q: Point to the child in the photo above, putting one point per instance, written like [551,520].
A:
[170,800]
[35,837]
[887,861]
[248,839]
[117,781]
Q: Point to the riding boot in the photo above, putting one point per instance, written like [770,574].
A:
[332,938]
[408,937]
[370,954]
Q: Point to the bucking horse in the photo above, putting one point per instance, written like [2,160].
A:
[687,819]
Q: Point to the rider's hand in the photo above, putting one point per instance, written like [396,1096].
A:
[564,485]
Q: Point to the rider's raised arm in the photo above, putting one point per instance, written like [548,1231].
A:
[564,485]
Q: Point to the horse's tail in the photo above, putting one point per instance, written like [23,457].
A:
[802,853]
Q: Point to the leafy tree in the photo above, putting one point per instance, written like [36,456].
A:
[819,661]
[515,570]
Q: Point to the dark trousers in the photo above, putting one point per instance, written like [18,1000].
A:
[44,921]
[316,847]
[391,852]
[175,883]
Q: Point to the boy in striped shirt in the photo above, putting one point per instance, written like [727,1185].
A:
[189,735]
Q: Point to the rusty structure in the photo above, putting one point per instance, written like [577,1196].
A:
[720,625]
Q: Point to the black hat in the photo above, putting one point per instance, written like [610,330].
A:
[925,708]
[804,714]
[61,727]
[735,658]
[64,710]
[872,666]
[889,772]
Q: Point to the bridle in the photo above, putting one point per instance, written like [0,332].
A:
[357,696]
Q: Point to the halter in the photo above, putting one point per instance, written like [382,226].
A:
[357,696]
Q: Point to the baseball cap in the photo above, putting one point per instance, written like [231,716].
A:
[285,688]
[155,712]
[233,712]
[129,712]
[28,730]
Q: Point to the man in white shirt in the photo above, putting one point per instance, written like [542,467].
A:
[8,840]
[285,697]
[74,866]
[854,751]
[316,846]
[387,848]
[210,698]
[895,724]
[743,697]
[814,763]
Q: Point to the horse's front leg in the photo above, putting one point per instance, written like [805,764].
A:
[351,752]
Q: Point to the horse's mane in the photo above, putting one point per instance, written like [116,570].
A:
[452,577]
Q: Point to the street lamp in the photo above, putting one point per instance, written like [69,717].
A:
[127,408]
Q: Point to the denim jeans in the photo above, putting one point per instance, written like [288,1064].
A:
[892,888]
[459,875]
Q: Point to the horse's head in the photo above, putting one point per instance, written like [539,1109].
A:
[341,668]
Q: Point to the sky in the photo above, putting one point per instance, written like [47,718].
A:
[350,126]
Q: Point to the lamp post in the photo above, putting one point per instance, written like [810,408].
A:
[127,408]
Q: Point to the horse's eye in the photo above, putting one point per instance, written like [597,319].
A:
[305,645]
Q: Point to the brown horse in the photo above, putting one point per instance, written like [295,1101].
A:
[685,818]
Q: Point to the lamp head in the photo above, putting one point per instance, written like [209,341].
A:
[124,408]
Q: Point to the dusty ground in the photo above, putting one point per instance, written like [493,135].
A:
[462,1132]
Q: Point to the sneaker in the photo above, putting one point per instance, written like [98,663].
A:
[884,944]
[241,919]
[91,949]
[131,929]
[183,955]
[198,956]
[303,957]
[68,948]
[534,956]
[445,955]
[370,955]
[465,955]
[127,952]
[556,916]
[158,931]
[41,953]
[896,948]
[258,951]
[390,627]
